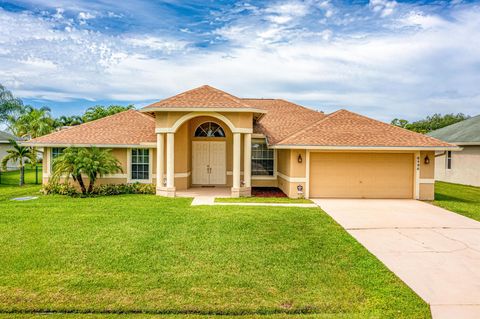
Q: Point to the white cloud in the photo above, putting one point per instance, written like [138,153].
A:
[384,7]
[420,19]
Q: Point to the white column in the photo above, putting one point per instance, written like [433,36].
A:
[160,159]
[247,160]
[170,161]
[236,161]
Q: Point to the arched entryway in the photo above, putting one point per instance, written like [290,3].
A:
[209,154]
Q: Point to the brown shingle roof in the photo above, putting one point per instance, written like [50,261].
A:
[345,128]
[125,128]
[283,118]
[285,123]
[201,97]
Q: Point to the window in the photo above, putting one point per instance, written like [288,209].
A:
[262,158]
[209,129]
[449,160]
[56,152]
[140,163]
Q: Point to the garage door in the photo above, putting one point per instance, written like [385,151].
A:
[361,175]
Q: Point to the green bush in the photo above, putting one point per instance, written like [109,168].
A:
[59,189]
[117,189]
[99,190]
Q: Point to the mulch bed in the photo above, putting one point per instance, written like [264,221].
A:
[267,192]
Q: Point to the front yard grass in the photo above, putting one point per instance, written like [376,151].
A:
[143,256]
[462,199]
[13,177]
[284,200]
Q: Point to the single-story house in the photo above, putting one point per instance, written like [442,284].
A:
[207,137]
[459,167]
[5,145]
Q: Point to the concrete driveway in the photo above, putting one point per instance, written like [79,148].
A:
[434,251]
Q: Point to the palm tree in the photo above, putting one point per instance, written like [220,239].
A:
[9,104]
[92,162]
[66,165]
[19,154]
[32,122]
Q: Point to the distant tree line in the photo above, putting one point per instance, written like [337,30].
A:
[431,122]
[30,122]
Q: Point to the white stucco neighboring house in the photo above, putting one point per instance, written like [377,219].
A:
[5,145]
[462,167]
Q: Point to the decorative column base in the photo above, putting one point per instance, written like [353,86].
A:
[241,192]
[166,191]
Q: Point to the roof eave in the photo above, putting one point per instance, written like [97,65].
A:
[59,144]
[366,148]
[203,109]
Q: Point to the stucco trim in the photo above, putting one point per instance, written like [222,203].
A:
[427,180]
[292,179]
[192,115]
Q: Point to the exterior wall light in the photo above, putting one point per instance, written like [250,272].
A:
[299,159]
[426,160]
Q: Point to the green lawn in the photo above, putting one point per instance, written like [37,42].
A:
[284,200]
[13,177]
[461,199]
[157,256]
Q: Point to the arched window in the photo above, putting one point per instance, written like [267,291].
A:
[209,129]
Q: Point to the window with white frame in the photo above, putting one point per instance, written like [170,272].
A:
[209,129]
[262,158]
[56,152]
[140,165]
[449,160]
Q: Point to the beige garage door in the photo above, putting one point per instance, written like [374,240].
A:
[361,175]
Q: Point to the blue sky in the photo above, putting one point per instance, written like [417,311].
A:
[382,58]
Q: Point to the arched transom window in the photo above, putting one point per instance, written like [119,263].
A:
[209,129]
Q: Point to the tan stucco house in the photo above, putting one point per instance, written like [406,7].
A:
[207,137]
[461,167]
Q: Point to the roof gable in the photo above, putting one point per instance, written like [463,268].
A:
[467,131]
[345,128]
[125,128]
[201,97]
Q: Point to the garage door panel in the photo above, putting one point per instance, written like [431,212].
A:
[361,175]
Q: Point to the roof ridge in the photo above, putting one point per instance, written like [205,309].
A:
[238,101]
[310,125]
[230,96]
[85,124]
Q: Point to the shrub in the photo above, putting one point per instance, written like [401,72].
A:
[117,189]
[59,189]
[99,190]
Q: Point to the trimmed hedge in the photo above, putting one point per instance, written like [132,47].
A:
[99,190]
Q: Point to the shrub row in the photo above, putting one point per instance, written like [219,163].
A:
[99,190]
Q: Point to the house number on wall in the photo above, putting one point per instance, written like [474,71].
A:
[418,163]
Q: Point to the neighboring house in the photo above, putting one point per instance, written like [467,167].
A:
[206,137]
[5,145]
[459,167]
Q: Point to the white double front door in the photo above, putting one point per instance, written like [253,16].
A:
[209,163]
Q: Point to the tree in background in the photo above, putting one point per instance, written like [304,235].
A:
[9,105]
[21,155]
[31,122]
[67,121]
[98,111]
[431,122]
[92,162]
